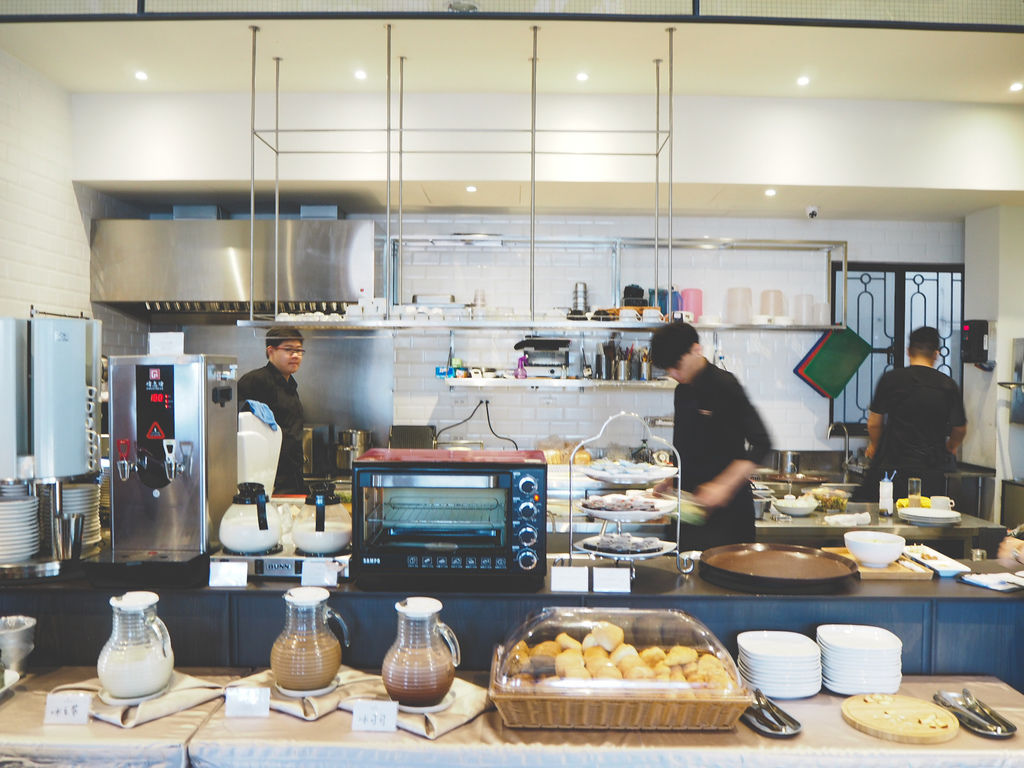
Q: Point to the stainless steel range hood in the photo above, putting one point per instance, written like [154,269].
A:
[204,266]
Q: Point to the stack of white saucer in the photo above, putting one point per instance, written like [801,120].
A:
[19,528]
[929,516]
[784,665]
[860,659]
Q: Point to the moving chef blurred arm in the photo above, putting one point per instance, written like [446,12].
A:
[719,491]
[875,427]
[956,437]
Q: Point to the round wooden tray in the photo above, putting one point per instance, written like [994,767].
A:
[900,718]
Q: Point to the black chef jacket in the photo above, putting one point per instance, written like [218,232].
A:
[267,385]
[716,424]
[920,406]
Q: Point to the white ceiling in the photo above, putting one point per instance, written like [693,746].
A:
[476,55]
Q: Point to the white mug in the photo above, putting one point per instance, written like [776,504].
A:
[943,502]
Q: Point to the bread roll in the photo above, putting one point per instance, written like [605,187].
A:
[589,641]
[595,652]
[628,662]
[621,652]
[595,664]
[652,656]
[607,672]
[680,654]
[639,672]
[567,660]
[609,636]
[565,640]
[547,648]
[577,673]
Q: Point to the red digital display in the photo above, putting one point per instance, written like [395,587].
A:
[156,397]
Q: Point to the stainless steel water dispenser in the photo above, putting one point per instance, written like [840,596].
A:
[173,456]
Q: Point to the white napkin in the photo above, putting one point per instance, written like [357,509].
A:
[849,518]
[183,692]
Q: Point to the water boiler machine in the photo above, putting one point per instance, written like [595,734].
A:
[173,451]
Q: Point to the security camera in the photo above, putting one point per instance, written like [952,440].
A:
[812,211]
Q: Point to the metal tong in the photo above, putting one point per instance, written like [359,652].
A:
[768,719]
[975,715]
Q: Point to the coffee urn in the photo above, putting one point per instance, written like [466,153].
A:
[173,450]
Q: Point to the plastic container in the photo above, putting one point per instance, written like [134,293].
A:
[259,447]
[616,668]
[738,305]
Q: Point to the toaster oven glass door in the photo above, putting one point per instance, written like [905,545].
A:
[444,512]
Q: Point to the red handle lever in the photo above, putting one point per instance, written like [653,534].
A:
[122,448]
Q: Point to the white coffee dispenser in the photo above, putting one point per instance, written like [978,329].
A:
[173,454]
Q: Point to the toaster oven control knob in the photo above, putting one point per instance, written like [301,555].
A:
[527,510]
[528,485]
[527,559]
[528,535]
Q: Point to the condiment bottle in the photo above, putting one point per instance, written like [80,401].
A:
[419,668]
[885,498]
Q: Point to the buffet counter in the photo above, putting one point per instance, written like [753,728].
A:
[204,737]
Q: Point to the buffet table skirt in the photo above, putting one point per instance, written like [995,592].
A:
[26,741]
[826,740]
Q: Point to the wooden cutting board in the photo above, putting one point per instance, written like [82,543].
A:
[900,718]
[891,571]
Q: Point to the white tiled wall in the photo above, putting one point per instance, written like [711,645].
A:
[763,361]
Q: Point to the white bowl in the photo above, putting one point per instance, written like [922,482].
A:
[796,507]
[874,549]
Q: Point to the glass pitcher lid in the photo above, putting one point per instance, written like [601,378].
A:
[418,607]
[306,596]
[135,601]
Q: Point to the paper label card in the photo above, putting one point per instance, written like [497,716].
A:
[228,573]
[246,701]
[611,580]
[570,578]
[67,708]
[320,573]
[374,715]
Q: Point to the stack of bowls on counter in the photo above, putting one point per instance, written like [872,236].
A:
[19,526]
[784,665]
[860,659]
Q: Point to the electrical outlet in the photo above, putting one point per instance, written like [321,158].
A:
[459,401]
[546,400]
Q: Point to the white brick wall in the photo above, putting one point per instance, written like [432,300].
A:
[763,361]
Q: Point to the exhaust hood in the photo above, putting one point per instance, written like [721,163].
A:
[204,265]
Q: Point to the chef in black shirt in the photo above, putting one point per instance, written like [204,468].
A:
[274,384]
[719,435]
[916,422]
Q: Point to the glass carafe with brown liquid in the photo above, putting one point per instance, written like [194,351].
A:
[306,655]
[419,668]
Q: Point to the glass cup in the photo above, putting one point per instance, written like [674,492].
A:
[913,491]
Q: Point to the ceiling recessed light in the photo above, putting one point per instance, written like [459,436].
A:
[582,76]
[1017,87]
[471,188]
[769,193]
[360,74]
[140,75]
[803,80]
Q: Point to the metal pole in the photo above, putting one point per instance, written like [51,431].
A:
[671,154]
[277,175]
[401,177]
[252,173]
[533,172]
[387,226]
[657,184]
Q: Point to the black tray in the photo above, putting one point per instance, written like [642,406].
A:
[759,568]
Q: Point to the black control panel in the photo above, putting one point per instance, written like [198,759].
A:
[154,420]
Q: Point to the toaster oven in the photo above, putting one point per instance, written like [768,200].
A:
[440,519]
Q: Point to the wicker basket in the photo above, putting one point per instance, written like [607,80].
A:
[656,712]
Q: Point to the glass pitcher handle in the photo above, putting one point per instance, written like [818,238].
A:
[334,616]
[159,629]
[451,640]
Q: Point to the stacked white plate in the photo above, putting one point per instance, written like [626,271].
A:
[19,528]
[927,516]
[784,665]
[856,658]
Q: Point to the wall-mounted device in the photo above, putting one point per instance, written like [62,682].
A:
[974,341]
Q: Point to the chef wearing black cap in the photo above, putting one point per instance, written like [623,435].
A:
[719,435]
[275,386]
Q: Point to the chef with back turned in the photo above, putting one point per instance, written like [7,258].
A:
[274,385]
[719,435]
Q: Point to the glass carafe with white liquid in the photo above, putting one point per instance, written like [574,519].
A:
[324,526]
[137,661]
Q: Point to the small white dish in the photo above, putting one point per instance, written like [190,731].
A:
[115,701]
[304,694]
[441,706]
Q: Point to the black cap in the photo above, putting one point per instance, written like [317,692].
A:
[282,333]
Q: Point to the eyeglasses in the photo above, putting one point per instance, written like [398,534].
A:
[292,350]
